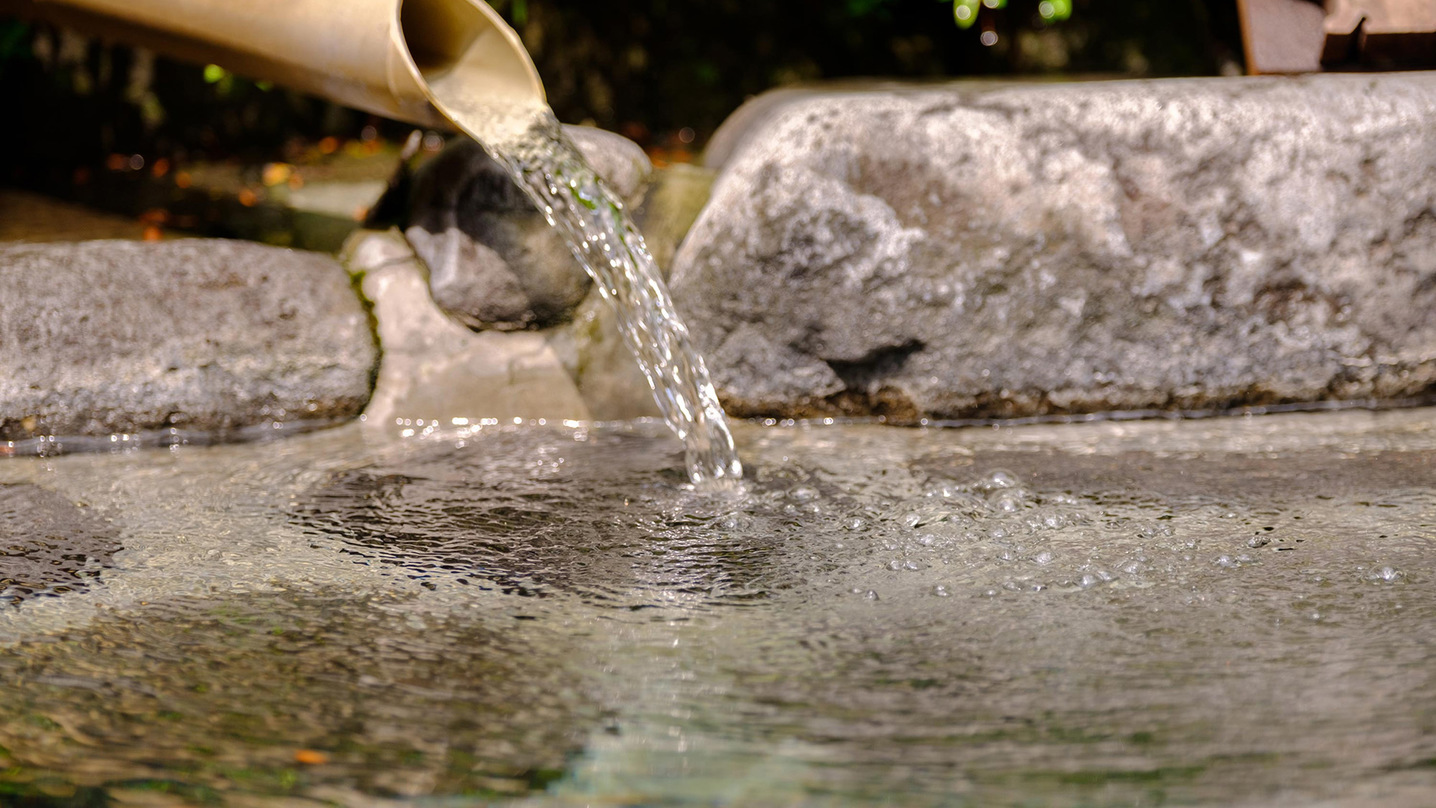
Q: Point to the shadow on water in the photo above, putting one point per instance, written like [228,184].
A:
[48,546]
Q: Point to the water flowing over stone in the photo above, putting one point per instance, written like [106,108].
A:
[528,141]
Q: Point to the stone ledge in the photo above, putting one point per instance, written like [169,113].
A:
[975,250]
[119,337]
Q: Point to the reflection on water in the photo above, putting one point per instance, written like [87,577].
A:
[1215,613]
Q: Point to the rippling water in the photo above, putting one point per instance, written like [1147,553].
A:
[1226,612]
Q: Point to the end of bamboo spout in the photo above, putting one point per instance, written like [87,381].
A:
[442,37]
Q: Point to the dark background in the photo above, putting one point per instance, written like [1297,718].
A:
[663,72]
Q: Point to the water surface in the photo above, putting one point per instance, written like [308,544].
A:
[1227,612]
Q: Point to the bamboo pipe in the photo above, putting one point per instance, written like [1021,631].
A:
[376,55]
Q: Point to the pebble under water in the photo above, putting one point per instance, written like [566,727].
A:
[1223,612]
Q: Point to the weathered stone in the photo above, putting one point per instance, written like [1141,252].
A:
[676,197]
[435,370]
[1013,250]
[106,337]
[47,544]
[494,263]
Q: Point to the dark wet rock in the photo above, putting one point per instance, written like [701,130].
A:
[493,260]
[1012,250]
[48,546]
[106,337]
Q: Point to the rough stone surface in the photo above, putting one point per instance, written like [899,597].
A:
[106,337]
[494,263]
[47,544]
[1010,250]
[675,198]
[435,370]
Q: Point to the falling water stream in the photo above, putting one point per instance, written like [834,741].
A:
[527,140]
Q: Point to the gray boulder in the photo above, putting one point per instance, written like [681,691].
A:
[494,263]
[209,336]
[976,250]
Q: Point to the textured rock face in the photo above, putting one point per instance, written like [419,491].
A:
[494,263]
[981,251]
[105,337]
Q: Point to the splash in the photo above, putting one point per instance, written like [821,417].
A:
[528,141]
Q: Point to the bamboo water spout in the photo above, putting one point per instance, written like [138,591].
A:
[370,54]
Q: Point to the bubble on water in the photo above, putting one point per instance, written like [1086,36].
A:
[941,591]
[803,493]
[1000,478]
[1159,530]
[855,523]
[1386,575]
[1044,557]
[1233,562]
[926,516]
[1258,541]
[1006,501]
[734,522]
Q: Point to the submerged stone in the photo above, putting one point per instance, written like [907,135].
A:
[203,336]
[494,263]
[48,546]
[1015,250]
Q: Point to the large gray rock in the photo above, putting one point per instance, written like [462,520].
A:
[494,262]
[1011,250]
[105,337]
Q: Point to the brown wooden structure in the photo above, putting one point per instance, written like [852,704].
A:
[1299,36]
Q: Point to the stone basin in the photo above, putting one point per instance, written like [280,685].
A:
[1232,611]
